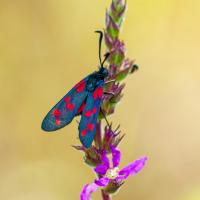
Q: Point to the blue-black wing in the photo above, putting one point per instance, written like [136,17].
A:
[67,108]
[87,126]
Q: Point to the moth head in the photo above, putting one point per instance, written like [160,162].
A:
[103,71]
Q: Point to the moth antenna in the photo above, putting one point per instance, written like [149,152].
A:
[106,57]
[100,42]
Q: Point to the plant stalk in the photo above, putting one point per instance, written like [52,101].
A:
[105,196]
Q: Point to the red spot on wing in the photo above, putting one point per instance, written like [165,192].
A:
[90,126]
[83,132]
[100,92]
[56,113]
[94,110]
[70,106]
[80,86]
[88,113]
[67,99]
[95,94]
[57,122]
[81,107]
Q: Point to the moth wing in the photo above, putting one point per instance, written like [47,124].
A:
[67,108]
[87,126]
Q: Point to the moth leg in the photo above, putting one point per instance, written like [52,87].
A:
[104,116]
[110,81]
[109,93]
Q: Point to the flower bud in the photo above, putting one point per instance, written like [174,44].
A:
[113,187]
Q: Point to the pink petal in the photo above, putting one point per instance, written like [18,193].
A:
[102,182]
[102,168]
[132,168]
[116,156]
[88,190]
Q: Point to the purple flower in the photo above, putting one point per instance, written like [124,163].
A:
[87,191]
[111,174]
[111,137]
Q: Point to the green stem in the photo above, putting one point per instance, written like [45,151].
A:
[104,195]
[98,135]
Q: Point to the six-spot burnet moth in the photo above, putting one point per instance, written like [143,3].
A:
[83,99]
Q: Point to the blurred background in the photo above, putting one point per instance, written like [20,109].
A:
[48,46]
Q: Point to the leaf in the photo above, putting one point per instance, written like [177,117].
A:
[122,74]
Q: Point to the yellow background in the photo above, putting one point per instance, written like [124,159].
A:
[47,46]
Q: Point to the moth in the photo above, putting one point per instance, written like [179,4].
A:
[83,99]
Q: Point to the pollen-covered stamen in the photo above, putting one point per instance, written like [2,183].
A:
[112,173]
[56,113]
